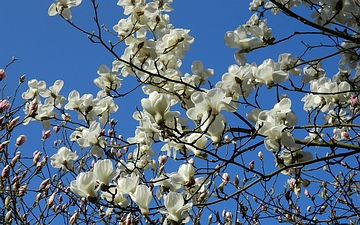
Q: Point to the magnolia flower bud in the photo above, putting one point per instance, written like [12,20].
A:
[209,219]
[225,178]
[43,184]
[20,140]
[38,197]
[74,217]
[7,202]
[36,157]
[8,217]
[308,209]
[51,199]
[66,117]
[46,134]
[260,155]
[162,159]
[263,208]
[2,74]
[306,192]
[5,172]
[4,105]
[22,79]
[236,181]
[56,129]
[252,164]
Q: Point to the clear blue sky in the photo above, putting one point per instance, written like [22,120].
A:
[48,49]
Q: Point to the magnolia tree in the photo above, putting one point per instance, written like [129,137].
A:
[202,153]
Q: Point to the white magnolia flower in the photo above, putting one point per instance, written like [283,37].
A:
[157,105]
[107,79]
[84,186]
[63,159]
[142,197]
[176,210]
[104,171]
[185,175]
[128,184]
[35,88]
[197,142]
[62,7]
[114,194]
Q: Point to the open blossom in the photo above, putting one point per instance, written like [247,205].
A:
[62,7]
[104,171]
[63,159]
[176,210]
[207,110]
[107,79]
[84,186]
[142,197]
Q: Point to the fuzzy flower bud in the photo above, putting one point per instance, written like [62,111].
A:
[5,172]
[252,164]
[56,129]
[20,140]
[4,105]
[22,78]
[2,74]
[51,199]
[8,217]
[236,181]
[260,155]
[46,134]
[15,159]
[225,178]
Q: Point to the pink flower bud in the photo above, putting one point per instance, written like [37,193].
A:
[20,140]
[56,129]
[4,105]
[102,133]
[223,213]
[260,155]
[15,159]
[353,100]
[306,192]
[33,107]
[225,178]
[14,121]
[46,134]
[279,219]
[4,144]
[38,197]
[252,164]
[236,181]
[51,199]
[22,190]
[36,157]
[210,218]
[112,122]
[2,74]
[66,117]
[263,208]
[43,184]
[22,78]
[5,172]
[110,132]
[162,159]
